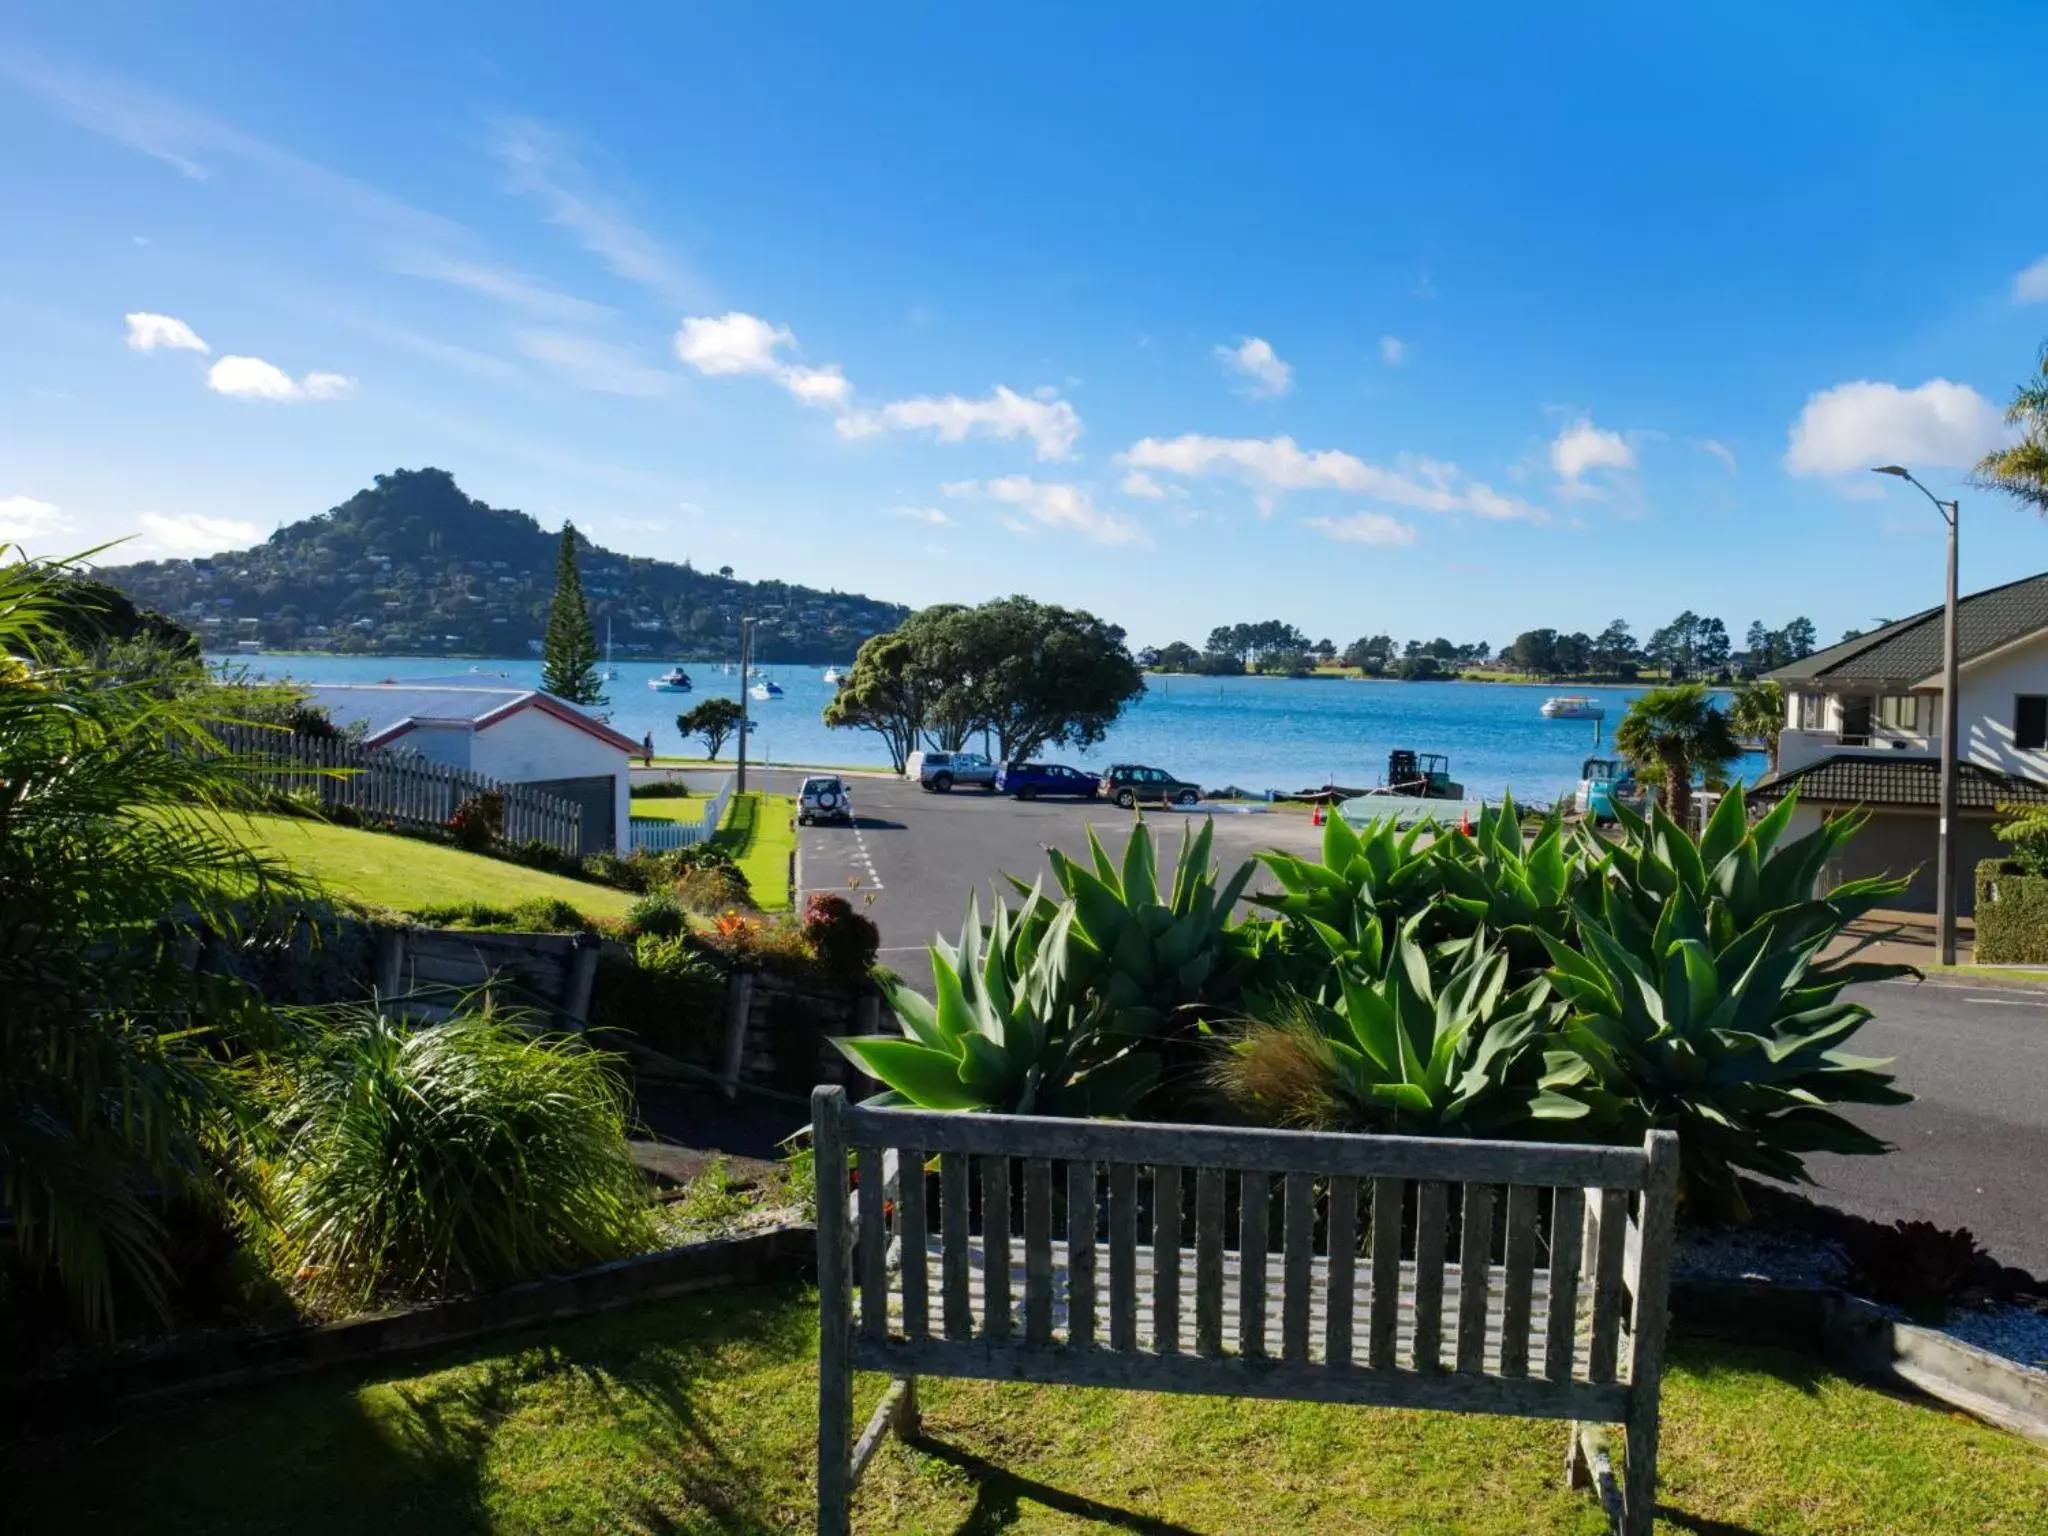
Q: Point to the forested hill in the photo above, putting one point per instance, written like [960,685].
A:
[412,566]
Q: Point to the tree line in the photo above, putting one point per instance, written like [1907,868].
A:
[1690,646]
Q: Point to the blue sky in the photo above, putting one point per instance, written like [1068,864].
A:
[1448,323]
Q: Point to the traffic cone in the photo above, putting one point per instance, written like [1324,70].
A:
[1316,817]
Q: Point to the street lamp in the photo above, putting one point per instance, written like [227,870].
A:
[746,660]
[1944,859]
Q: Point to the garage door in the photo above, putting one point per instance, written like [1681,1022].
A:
[1894,845]
[594,797]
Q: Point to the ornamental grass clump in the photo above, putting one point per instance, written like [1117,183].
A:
[414,1163]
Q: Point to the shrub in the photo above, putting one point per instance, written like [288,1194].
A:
[535,853]
[422,1163]
[711,888]
[2025,830]
[2012,914]
[1910,1263]
[475,824]
[633,871]
[661,789]
[659,914]
[548,914]
[842,941]
[669,993]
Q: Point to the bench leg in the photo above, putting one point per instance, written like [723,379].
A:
[835,1442]
[909,1418]
[1578,1469]
[1639,1478]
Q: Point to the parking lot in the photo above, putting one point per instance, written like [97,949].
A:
[919,855]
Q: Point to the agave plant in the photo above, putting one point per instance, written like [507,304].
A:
[1155,948]
[1010,1027]
[1499,886]
[1437,1044]
[1700,1001]
[1368,880]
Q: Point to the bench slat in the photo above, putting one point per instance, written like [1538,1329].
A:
[1297,1272]
[1519,1260]
[1080,1253]
[1254,1206]
[1037,1251]
[1475,1255]
[1343,1268]
[1388,1197]
[1430,1212]
[995,1238]
[872,1249]
[954,1172]
[1610,1215]
[1567,1231]
[1123,1256]
[1317,1152]
[1209,1261]
[911,1234]
[1166,1258]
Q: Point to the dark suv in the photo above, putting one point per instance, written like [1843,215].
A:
[1130,784]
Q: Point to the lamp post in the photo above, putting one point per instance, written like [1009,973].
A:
[1944,858]
[746,660]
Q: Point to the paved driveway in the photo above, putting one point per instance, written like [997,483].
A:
[1972,1148]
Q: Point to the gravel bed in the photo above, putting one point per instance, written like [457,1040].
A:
[2016,1333]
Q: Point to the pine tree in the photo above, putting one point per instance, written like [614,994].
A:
[568,667]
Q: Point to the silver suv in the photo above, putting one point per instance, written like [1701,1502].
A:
[940,771]
[824,798]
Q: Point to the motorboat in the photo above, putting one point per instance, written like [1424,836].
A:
[1573,706]
[1605,782]
[767,688]
[674,680]
[834,676]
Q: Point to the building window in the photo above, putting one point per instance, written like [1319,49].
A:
[1899,711]
[2030,722]
[1813,711]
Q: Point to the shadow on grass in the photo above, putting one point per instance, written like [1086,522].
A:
[998,1493]
[1700,1525]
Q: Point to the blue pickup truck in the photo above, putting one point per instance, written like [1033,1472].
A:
[1027,781]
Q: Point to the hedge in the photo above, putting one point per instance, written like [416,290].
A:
[2012,914]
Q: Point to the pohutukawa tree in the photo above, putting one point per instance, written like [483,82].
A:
[569,654]
[714,720]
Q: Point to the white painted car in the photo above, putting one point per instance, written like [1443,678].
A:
[824,798]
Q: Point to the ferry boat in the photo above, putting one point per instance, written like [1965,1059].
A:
[767,688]
[1573,706]
[834,676]
[674,680]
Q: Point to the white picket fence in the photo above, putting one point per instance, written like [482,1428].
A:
[660,834]
[399,787]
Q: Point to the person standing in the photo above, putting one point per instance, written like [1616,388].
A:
[647,750]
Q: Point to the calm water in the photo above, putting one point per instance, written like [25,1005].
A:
[1259,733]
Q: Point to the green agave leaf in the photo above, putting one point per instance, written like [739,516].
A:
[986,1069]
[928,1078]
[916,1014]
[1140,873]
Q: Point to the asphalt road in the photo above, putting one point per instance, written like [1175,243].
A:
[1972,1149]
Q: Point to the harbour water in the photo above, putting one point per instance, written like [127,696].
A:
[1253,732]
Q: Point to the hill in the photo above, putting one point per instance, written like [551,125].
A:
[412,566]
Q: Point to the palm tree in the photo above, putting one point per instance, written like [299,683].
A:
[122,1054]
[1672,734]
[2022,469]
[1757,713]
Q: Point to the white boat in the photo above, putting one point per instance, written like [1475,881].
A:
[611,673]
[767,688]
[1573,706]
[674,680]
[834,675]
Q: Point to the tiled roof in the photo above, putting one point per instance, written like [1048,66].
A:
[1852,779]
[1912,648]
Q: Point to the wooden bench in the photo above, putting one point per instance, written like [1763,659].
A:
[1479,1276]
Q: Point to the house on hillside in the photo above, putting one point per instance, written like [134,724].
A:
[1863,729]
[516,735]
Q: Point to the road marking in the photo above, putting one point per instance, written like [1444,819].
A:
[2004,1002]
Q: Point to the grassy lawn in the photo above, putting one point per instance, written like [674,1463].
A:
[699,1415]
[669,807]
[404,874]
[761,832]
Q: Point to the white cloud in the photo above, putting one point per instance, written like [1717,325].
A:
[720,346]
[1854,426]
[195,533]
[2031,286]
[151,333]
[1393,351]
[1053,425]
[251,378]
[597,366]
[1582,446]
[1255,358]
[932,515]
[1721,451]
[1280,464]
[23,517]
[1364,528]
[1138,483]
[1059,505]
[543,166]
[513,289]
